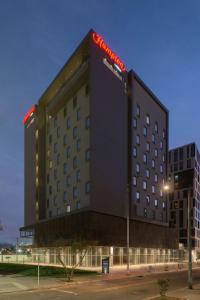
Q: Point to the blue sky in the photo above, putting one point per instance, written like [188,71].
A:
[158,39]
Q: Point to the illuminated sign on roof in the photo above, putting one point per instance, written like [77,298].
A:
[102,45]
[29,114]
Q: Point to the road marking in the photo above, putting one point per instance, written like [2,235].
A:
[19,285]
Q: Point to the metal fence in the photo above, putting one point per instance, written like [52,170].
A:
[94,256]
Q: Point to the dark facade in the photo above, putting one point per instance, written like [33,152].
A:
[184,168]
[86,166]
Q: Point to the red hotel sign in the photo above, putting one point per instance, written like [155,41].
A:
[102,45]
[29,114]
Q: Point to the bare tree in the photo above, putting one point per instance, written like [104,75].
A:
[79,249]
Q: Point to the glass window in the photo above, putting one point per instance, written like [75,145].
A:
[50,189]
[55,121]
[75,132]
[78,114]
[78,205]
[64,112]
[156,178]
[64,168]
[87,155]
[163,133]
[50,164]
[137,139]
[148,147]
[134,123]
[68,123]
[156,127]
[87,187]
[156,203]
[148,199]
[156,152]
[144,185]
[64,196]
[58,186]
[87,122]
[145,212]
[68,208]
[153,163]
[75,163]
[65,139]
[50,139]
[153,189]
[145,131]
[75,192]
[153,138]
[68,180]
[134,180]
[78,176]
[78,145]
[161,168]
[74,101]
[135,152]
[68,151]
[137,168]
[147,173]
[138,110]
[145,158]
[55,148]
[58,132]
[58,159]
[137,195]
[148,119]
[87,89]
[161,145]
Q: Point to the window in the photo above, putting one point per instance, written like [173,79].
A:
[58,132]
[50,164]
[74,101]
[50,189]
[175,155]
[148,199]
[87,155]
[137,139]
[156,178]
[64,112]
[156,127]
[135,152]
[181,153]
[50,139]
[137,168]
[134,123]
[137,196]
[163,158]
[147,173]
[148,119]
[145,131]
[68,123]
[47,178]
[55,173]
[153,138]
[153,163]
[87,89]
[161,145]
[75,132]
[87,122]
[189,163]
[65,196]
[78,205]
[138,110]
[55,121]
[58,186]
[68,151]
[58,159]
[163,205]
[144,185]
[161,168]
[65,140]
[134,181]
[78,176]
[47,203]
[156,152]
[55,148]
[78,114]
[145,212]
[145,158]
[153,189]
[78,145]
[64,168]
[156,203]
[148,147]
[75,163]
[68,180]
[68,208]
[87,187]
[75,192]
[163,133]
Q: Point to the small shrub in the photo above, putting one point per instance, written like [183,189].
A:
[163,286]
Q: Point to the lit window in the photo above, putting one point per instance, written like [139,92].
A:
[68,123]
[87,155]
[87,122]
[75,132]
[68,152]
[153,138]
[144,185]
[147,173]
[156,203]
[137,139]
[78,145]
[68,208]
[148,199]
[87,187]
[156,152]
[135,152]
[137,168]
[163,205]
[134,180]
[65,140]
[65,196]
[75,192]
[138,110]
[145,131]
[156,178]
[148,147]
[50,164]
[153,189]
[145,158]
[78,114]
[137,196]
[78,176]
[134,123]
[148,119]
[74,101]
[153,163]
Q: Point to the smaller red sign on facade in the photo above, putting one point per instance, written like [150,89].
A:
[102,45]
[29,114]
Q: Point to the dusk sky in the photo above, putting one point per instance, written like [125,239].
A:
[159,39]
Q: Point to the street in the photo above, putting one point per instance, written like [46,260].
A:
[102,287]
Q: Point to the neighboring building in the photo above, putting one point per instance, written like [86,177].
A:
[184,173]
[100,139]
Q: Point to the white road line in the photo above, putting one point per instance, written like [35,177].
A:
[19,285]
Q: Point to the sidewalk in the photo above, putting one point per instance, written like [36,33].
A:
[185,293]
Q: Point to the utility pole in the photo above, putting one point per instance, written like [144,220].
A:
[189,240]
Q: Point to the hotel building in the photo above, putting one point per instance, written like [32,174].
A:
[96,147]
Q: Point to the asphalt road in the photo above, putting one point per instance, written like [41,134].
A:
[127,287]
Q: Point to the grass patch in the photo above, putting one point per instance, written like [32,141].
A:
[31,270]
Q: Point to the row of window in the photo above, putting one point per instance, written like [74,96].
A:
[135,150]
[75,190]
[137,141]
[147,173]
[137,166]
[179,166]
[144,186]
[156,202]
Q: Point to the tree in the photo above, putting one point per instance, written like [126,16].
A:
[79,249]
